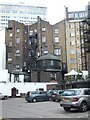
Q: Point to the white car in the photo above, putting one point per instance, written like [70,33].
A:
[3,97]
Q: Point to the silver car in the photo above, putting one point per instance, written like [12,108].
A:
[3,97]
[78,98]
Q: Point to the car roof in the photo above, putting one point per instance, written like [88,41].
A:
[78,89]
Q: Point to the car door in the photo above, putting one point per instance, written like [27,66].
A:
[89,96]
[0,96]
[87,93]
[39,96]
[44,96]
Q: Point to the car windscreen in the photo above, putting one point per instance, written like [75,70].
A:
[71,92]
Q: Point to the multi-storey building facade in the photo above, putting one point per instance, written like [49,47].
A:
[25,44]
[20,12]
[85,41]
[73,20]
[59,44]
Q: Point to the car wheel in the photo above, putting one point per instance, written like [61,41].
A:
[34,100]
[5,98]
[83,107]
[66,108]
[49,99]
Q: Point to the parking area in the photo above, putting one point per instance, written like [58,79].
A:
[19,108]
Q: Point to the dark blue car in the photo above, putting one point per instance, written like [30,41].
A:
[37,96]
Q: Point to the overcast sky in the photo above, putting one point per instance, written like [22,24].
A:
[55,8]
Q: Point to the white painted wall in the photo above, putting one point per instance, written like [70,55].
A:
[2,49]
[4,75]
[85,74]
[5,88]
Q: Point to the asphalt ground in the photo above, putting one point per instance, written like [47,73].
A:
[19,109]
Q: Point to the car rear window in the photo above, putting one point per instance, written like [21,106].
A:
[35,92]
[71,92]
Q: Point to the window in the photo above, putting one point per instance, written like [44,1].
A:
[81,33]
[9,55]
[31,32]
[82,14]
[52,63]
[9,59]
[71,92]
[72,42]
[87,92]
[57,51]
[73,60]
[70,15]
[17,40]
[56,39]
[56,30]
[17,53]
[82,41]
[71,25]
[73,51]
[78,42]
[45,51]
[83,51]
[18,30]
[76,15]
[43,63]
[35,30]
[10,44]
[43,38]
[11,34]
[31,53]
[17,66]
[72,34]
[43,29]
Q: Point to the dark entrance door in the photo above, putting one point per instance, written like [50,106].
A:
[13,92]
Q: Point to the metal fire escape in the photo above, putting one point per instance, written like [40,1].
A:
[85,43]
[32,51]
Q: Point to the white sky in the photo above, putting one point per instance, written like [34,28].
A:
[55,8]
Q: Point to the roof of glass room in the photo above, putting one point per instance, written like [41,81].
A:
[48,57]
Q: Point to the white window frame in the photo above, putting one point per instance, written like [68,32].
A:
[72,60]
[45,51]
[72,42]
[56,30]
[17,40]
[56,39]
[11,34]
[57,51]
[10,44]
[17,51]
[72,34]
[18,30]
[72,51]
[70,15]
[31,32]
[43,38]
[43,29]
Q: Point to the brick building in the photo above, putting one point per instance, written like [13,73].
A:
[25,44]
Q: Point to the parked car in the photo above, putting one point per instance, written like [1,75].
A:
[78,98]
[57,96]
[52,93]
[3,97]
[36,96]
